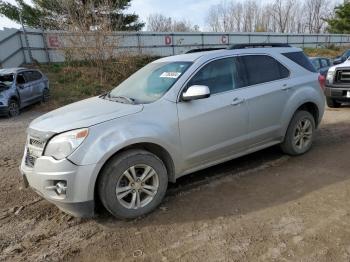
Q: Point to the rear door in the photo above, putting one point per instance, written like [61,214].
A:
[215,127]
[37,83]
[267,85]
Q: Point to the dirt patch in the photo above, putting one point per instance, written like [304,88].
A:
[261,207]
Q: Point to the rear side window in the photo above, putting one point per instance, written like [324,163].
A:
[32,76]
[217,75]
[257,69]
[301,59]
[36,75]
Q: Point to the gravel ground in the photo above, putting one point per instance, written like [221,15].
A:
[263,207]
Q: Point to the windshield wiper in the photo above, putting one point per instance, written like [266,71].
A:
[123,98]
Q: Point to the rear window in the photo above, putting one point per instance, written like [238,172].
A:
[301,59]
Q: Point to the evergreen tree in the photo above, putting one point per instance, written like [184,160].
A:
[341,21]
[60,14]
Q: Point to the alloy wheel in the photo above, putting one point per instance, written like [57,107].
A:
[137,186]
[13,108]
[303,134]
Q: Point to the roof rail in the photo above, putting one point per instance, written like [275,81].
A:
[202,50]
[258,45]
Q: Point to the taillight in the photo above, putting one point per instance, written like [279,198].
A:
[322,81]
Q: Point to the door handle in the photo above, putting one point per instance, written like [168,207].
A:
[237,101]
[285,87]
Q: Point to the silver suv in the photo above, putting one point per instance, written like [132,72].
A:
[176,115]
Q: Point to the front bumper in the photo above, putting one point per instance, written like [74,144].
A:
[78,199]
[4,110]
[339,93]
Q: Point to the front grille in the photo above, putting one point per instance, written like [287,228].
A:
[342,76]
[35,148]
[36,143]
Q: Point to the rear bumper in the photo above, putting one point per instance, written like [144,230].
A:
[78,200]
[338,93]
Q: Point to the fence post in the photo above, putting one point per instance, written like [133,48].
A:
[22,47]
[172,36]
[26,39]
[43,35]
[139,43]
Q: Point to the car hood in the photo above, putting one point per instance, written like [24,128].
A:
[81,114]
[345,63]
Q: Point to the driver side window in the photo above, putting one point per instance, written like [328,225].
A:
[20,80]
[217,75]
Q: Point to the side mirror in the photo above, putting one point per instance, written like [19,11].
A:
[196,92]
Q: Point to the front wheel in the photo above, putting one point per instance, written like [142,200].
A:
[300,134]
[13,108]
[132,184]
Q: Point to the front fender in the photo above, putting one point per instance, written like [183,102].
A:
[152,125]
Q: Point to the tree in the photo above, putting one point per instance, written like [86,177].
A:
[161,23]
[340,23]
[54,14]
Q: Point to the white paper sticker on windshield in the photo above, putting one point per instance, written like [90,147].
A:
[170,75]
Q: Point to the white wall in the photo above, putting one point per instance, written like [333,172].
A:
[47,46]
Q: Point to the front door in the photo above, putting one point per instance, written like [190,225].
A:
[24,89]
[216,127]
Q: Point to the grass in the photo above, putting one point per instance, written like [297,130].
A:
[70,82]
[330,52]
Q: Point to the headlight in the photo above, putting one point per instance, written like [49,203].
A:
[64,144]
[330,76]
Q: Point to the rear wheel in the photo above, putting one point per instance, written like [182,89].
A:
[300,133]
[45,95]
[332,103]
[13,108]
[133,184]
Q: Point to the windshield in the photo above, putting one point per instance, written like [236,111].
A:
[6,80]
[149,83]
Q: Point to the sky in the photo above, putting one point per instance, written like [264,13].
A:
[192,10]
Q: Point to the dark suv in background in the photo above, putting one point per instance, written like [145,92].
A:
[342,58]
[20,87]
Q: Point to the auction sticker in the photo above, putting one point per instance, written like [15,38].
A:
[170,75]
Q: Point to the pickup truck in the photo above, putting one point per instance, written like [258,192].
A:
[337,89]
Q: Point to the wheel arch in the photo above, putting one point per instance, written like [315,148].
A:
[153,148]
[313,109]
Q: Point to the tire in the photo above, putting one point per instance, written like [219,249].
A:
[117,179]
[332,103]
[300,133]
[45,95]
[13,108]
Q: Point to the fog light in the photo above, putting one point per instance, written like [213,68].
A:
[61,188]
